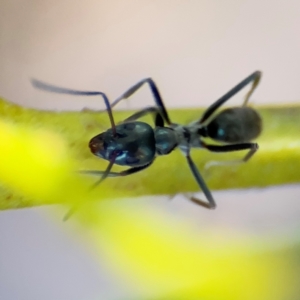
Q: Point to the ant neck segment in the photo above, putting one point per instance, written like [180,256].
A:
[165,140]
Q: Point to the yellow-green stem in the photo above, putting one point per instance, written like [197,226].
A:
[276,162]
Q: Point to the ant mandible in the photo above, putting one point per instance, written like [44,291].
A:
[136,144]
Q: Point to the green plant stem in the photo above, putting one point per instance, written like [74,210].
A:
[276,162]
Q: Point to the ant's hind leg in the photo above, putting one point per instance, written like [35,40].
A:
[254,85]
[254,78]
[252,147]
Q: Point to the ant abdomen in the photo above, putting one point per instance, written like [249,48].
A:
[235,125]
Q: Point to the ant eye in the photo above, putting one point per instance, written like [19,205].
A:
[118,152]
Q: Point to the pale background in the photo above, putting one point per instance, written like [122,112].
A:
[195,51]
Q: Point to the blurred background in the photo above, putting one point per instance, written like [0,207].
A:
[195,51]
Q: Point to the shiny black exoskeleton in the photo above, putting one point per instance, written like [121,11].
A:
[136,144]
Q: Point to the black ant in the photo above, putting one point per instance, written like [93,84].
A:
[136,144]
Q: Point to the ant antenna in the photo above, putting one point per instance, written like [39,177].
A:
[60,90]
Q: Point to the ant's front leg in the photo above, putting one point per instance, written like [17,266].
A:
[116,174]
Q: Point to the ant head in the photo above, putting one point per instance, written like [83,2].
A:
[106,144]
[97,146]
[132,144]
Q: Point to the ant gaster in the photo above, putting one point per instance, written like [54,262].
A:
[136,144]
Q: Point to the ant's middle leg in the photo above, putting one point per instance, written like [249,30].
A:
[210,203]
[155,92]
[158,119]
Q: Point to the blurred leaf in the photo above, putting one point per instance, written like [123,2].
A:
[162,258]
[276,162]
[156,256]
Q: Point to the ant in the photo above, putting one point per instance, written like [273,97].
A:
[136,144]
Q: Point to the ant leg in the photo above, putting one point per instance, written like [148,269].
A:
[254,77]
[105,174]
[211,202]
[60,90]
[116,174]
[158,120]
[149,110]
[155,92]
[255,83]
[252,147]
